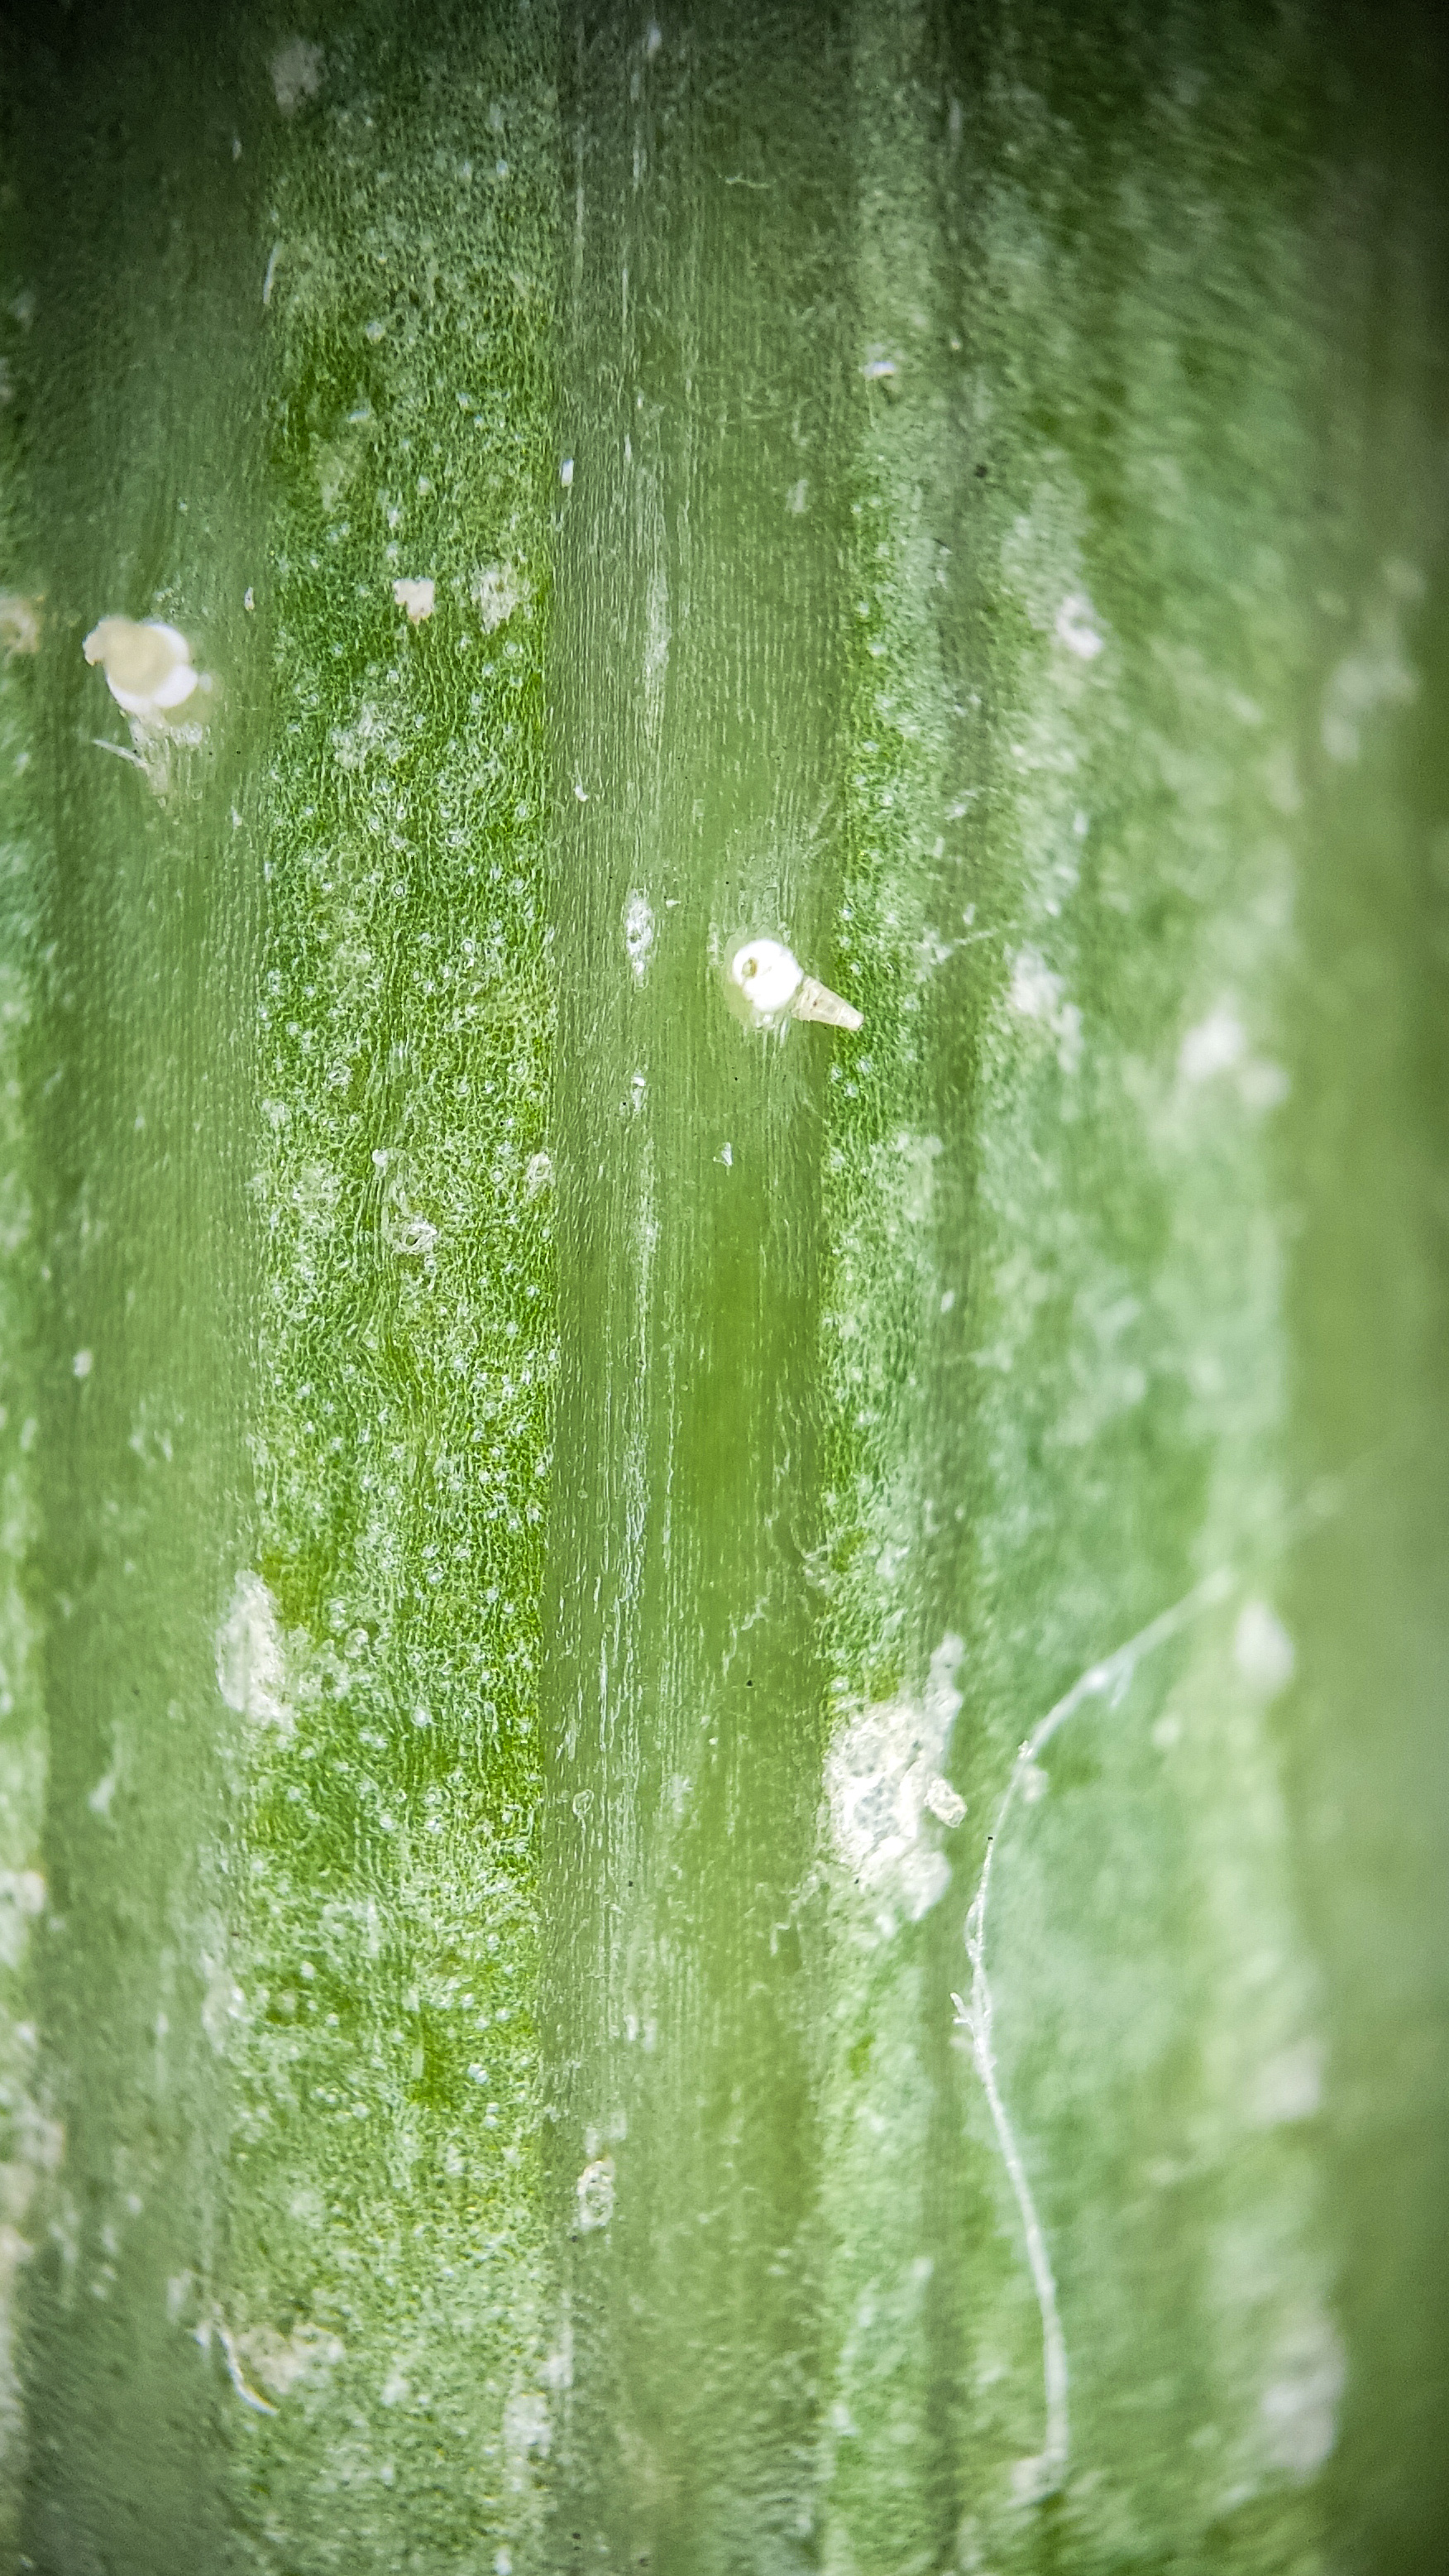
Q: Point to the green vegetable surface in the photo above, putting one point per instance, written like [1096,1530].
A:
[722,1779]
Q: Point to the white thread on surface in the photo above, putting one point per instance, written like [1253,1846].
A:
[1042,2475]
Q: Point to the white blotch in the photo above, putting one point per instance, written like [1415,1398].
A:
[726,1155]
[595,2192]
[527,2431]
[797,498]
[416,597]
[1037,994]
[1075,629]
[1214,1046]
[24,1889]
[882,1774]
[19,624]
[499,590]
[1035,991]
[1289,2087]
[538,1174]
[1263,1085]
[638,934]
[1378,674]
[878,369]
[269,281]
[279,2361]
[566,473]
[82,1364]
[1300,2403]
[944,1802]
[296,73]
[250,1669]
[1263,1650]
[222,2004]
[652,41]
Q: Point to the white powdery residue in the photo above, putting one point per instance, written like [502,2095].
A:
[1037,994]
[1378,673]
[527,2432]
[1215,1045]
[944,1802]
[499,591]
[1263,1650]
[1288,2087]
[1299,2405]
[595,2193]
[883,1774]
[222,2004]
[638,934]
[250,1669]
[296,73]
[416,597]
[1075,629]
[279,2361]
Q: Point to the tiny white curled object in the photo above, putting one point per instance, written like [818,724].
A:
[773,986]
[148,665]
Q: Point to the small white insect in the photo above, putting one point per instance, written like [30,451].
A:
[417,597]
[768,983]
[148,665]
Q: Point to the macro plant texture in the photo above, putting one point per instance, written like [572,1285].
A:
[724,1167]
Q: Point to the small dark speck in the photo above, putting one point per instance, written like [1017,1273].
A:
[981,473]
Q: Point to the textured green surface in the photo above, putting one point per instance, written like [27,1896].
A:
[529,1509]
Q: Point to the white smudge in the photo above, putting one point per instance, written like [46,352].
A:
[595,2192]
[527,2431]
[1075,629]
[945,1804]
[1038,995]
[499,590]
[1377,674]
[19,624]
[250,1668]
[279,2361]
[82,1364]
[1299,2405]
[882,1774]
[1288,2087]
[416,597]
[797,498]
[296,73]
[1215,1045]
[1263,1650]
[638,934]
[566,473]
